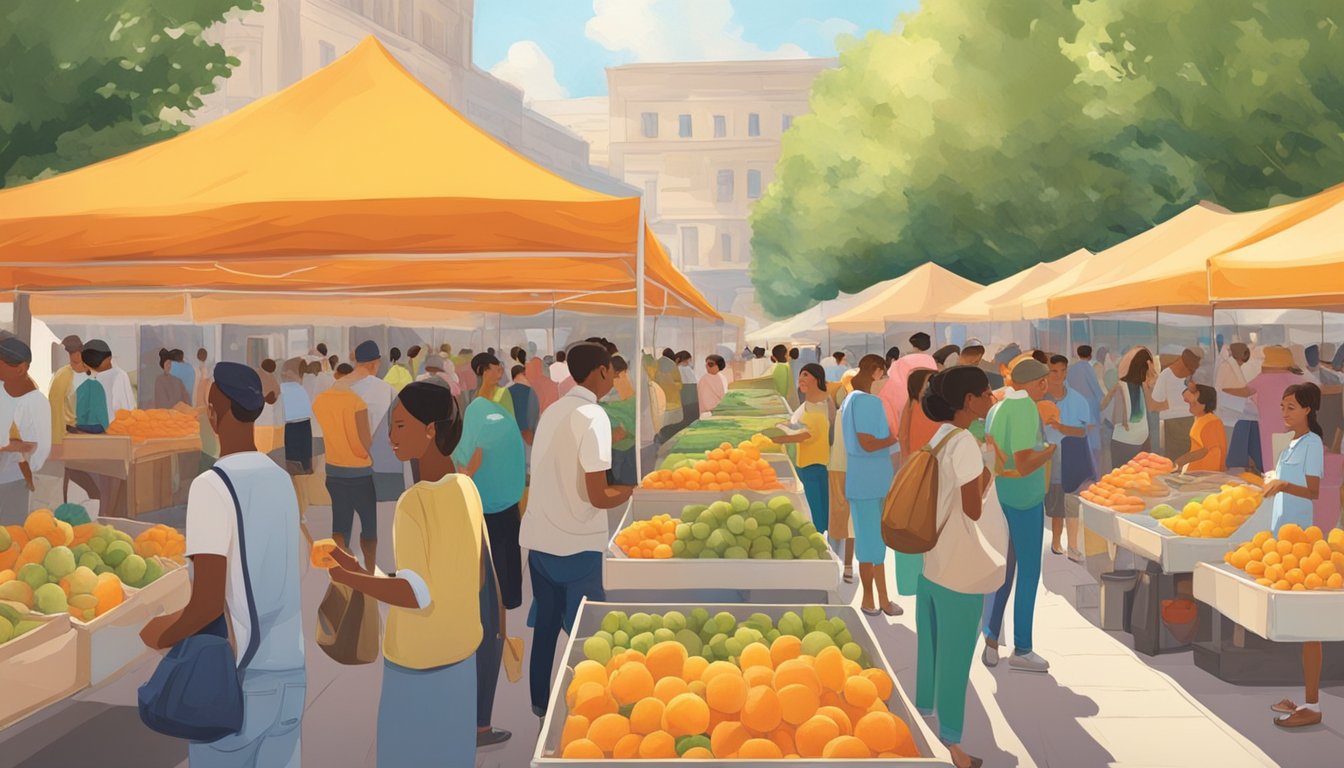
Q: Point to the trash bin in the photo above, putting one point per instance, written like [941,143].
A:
[1180,616]
[1117,598]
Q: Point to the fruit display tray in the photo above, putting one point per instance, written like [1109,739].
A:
[589,620]
[1281,617]
[38,668]
[784,470]
[1144,536]
[620,572]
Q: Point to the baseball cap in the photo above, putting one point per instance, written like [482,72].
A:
[240,384]
[1029,370]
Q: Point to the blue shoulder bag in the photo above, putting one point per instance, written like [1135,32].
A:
[196,692]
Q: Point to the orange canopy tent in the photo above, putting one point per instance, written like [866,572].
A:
[357,178]
[917,296]
[976,307]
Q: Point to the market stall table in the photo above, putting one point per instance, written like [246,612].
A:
[1277,621]
[155,472]
[588,622]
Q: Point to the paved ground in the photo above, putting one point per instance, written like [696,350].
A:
[1102,705]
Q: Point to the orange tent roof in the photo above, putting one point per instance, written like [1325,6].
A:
[358,161]
[976,307]
[917,296]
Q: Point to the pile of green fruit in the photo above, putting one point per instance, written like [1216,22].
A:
[720,637]
[13,624]
[113,551]
[739,529]
[1163,511]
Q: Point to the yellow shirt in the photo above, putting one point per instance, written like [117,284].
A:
[816,420]
[398,377]
[437,532]
[335,411]
[62,410]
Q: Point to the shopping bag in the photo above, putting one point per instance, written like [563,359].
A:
[513,658]
[349,628]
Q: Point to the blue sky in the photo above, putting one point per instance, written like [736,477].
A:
[559,48]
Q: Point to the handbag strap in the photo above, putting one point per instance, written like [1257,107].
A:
[935,451]
[254,635]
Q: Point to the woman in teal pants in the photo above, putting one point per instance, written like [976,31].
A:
[968,561]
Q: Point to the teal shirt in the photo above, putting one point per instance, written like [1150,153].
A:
[622,414]
[503,471]
[1015,425]
[91,405]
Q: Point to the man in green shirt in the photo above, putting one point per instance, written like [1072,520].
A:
[1017,434]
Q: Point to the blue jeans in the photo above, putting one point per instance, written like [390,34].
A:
[816,485]
[272,713]
[489,653]
[352,494]
[559,584]
[425,716]
[1026,527]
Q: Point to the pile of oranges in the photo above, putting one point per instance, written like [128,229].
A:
[1297,561]
[1121,489]
[155,423]
[649,538]
[1218,516]
[162,541]
[723,469]
[774,703]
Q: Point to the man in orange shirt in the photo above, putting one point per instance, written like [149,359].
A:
[1208,439]
[347,437]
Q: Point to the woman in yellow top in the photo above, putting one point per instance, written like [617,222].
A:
[1208,439]
[425,714]
[816,416]
[399,375]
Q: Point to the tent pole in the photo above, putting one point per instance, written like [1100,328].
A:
[1161,441]
[553,340]
[499,334]
[1068,335]
[639,334]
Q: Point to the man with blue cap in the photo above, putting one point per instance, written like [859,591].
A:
[388,472]
[248,484]
[25,418]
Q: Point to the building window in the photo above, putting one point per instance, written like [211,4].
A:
[406,18]
[753,185]
[788,122]
[720,126]
[690,246]
[648,123]
[326,52]
[726,244]
[753,124]
[684,126]
[432,34]
[725,187]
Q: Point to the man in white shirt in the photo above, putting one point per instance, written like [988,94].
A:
[25,430]
[1171,407]
[565,527]
[559,369]
[273,678]
[1235,408]
[378,396]
[116,383]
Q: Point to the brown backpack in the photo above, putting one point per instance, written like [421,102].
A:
[910,512]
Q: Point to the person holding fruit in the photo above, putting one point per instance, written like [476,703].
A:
[1295,484]
[816,415]
[868,439]
[1208,438]
[434,629]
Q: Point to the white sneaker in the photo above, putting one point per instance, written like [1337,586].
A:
[990,656]
[1029,662]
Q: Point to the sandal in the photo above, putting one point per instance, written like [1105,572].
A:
[1285,707]
[871,612]
[849,574]
[1056,551]
[892,609]
[1300,719]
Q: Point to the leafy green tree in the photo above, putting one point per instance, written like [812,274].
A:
[84,80]
[989,135]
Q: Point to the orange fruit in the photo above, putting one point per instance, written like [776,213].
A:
[881,681]
[647,716]
[839,717]
[628,747]
[860,692]
[760,749]
[784,648]
[686,715]
[762,712]
[814,734]
[666,659]
[589,671]
[798,703]
[697,753]
[783,738]
[669,687]
[694,668]
[758,676]
[582,749]
[846,747]
[726,693]
[631,682]
[727,738]
[591,701]
[756,655]
[608,729]
[658,745]
[830,668]
[796,672]
[720,668]
[878,731]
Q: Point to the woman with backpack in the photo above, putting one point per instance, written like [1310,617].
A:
[816,416]
[868,438]
[968,559]
[915,431]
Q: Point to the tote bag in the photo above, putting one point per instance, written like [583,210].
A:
[349,628]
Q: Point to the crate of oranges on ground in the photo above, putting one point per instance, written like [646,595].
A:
[1288,588]
[766,545]
[748,685]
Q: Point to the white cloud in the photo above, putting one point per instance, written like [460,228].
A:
[677,30]
[528,67]
[829,29]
